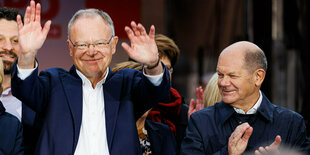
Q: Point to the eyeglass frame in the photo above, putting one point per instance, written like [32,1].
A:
[88,45]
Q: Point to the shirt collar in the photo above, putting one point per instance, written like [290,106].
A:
[85,79]
[7,92]
[254,108]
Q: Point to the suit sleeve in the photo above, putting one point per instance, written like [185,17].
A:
[18,149]
[194,142]
[145,94]
[33,90]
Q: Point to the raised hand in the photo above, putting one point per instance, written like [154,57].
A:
[238,140]
[143,47]
[31,35]
[199,102]
[271,149]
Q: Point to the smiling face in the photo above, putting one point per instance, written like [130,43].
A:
[93,61]
[9,47]
[238,86]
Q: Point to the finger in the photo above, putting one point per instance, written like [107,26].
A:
[247,134]
[191,108]
[127,48]
[262,150]
[135,28]
[46,27]
[152,32]
[38,13]
[27,15]
[239,131]
[191,105]
[257,152]
[142,29]
[32,10]
[130,33]
[19,22]
[276,143]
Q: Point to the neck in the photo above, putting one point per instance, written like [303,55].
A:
[6,82]
[248,103]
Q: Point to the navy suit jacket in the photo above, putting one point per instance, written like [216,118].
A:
[161,138]
[208,130]
[10,134]
[58,94]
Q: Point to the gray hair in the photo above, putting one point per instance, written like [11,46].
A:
[91,13]
[255,60]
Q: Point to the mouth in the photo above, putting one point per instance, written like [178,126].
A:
[6,57]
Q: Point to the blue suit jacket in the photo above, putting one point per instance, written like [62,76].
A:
[10,134]
[161,138]
[208,130]
[57,94]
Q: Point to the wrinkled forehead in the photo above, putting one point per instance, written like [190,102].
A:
[87,27]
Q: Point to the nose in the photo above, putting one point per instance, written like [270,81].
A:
[91,50]
[223,82]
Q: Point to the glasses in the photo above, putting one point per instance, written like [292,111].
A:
[98,45]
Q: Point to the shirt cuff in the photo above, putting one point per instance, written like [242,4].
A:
[24,73]
[155,79]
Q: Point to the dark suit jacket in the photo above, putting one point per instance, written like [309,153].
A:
[161,138]
[32,124]
[209,129]
[58,93]
[10,134]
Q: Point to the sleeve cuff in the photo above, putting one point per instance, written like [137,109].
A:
[24,73]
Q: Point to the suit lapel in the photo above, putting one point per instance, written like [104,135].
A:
[73,90]
[111,90]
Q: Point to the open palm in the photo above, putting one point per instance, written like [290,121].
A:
[31,34]
[143,47]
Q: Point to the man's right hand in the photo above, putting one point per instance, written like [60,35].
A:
[238,140]
[31,35]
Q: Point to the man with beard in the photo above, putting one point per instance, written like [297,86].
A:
[9,49]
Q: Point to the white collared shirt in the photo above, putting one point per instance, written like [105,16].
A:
[92,138]
[11,104]
[254,108]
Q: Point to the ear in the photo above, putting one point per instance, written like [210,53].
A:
[70,47]
[114,43]
[259,76]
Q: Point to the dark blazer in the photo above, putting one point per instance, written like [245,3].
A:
[161,138]
[58,93]
[209,129]
[32,124]
[10,134]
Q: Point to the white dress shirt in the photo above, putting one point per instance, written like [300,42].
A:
[254,108]
[92,138]
[11,104]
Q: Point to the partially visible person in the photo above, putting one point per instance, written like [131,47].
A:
[245,121]
[11,131]
[171,111]
[212,93]
[155,138]
[9,50]
[89,109]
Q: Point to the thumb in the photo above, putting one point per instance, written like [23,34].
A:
[276,142]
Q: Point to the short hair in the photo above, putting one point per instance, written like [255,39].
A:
[167,47]
[9,13]
[127,65]
[91,13]
[254,60]
[1,75]
[212,93]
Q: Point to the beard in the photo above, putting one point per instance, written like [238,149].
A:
[7,65]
